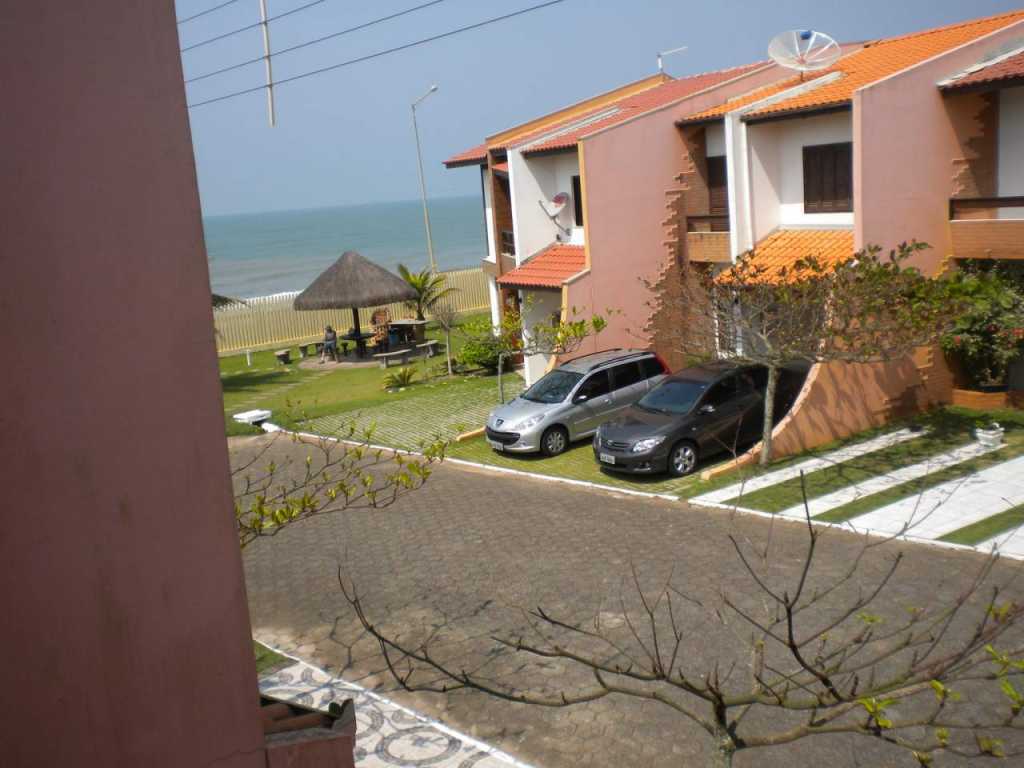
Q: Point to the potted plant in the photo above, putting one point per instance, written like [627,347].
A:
[990,435]
[988,336]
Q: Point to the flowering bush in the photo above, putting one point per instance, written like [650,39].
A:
[989,335]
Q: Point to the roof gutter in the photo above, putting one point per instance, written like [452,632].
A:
[798,112]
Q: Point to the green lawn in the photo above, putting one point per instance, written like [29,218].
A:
[983,530]
[296,395]
[577,463]
[267,660]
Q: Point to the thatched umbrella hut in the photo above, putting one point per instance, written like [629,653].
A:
[353,282]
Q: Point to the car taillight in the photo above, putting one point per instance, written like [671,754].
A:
[661,362]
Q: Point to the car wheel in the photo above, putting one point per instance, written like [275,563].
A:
[682,460]
[554,441]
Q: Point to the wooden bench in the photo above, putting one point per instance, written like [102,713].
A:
[430,347]
[385,358]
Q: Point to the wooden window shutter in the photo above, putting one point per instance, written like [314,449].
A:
[812,180]
[577,200]
[844,177]
[828,178]
[718,191]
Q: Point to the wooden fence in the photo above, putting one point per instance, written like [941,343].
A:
[271,321]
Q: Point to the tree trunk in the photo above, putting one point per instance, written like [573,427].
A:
[722,756]
[769,415]
[448,350]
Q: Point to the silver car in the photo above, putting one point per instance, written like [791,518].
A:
[572,401]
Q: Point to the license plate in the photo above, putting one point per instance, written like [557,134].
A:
[496,445]
[607,458]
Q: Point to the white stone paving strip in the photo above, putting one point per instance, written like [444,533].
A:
[810,465]
[1007,542]
[387,734]
[880,483]
[950,505]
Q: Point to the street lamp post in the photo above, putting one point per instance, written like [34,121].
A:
[423,186]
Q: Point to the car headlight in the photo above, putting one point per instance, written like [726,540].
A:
[647,444]
[533,421]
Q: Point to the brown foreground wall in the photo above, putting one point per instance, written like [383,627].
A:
[126,635]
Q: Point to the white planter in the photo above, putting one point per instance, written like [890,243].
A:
[990,437]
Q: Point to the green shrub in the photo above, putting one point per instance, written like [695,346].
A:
[401,378]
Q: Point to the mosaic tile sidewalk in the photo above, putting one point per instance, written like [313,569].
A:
[386,733]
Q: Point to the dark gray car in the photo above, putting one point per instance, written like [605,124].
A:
[695,413]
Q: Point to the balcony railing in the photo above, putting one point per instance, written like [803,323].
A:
[987,227]
[708,223]
[982,207]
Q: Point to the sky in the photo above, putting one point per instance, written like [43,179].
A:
[345,137]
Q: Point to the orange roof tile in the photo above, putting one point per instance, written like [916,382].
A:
[548,269]
[608,113]
[475,156]
[783,248]
[996,71]
[637,104]
[874,62]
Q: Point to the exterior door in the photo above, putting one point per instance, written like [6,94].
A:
[593,401]
[719,414]
[628,385]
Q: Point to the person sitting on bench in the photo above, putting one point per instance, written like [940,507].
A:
[330,345]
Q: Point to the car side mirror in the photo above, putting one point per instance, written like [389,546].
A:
[580,398]
[705,409]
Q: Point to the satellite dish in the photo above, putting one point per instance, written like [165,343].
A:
[804,50]
[555,205]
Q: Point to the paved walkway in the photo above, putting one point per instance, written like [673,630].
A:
[463,556]
[387,734]
[951,505]
[880,483]
[829,459]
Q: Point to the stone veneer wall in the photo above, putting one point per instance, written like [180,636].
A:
[688,198]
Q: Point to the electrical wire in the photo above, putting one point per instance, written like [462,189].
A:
[208,10]
[313,42]
[254,25]
[378,54]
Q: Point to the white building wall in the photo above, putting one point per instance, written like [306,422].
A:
[793,136]
[769,187]
[765,167]
[532,180]
[539,308]
[485,178]
[714,139]
[1011,148]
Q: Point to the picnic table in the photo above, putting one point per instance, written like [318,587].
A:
[410,331]
[360,339]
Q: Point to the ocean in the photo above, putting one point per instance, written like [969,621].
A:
[257,254]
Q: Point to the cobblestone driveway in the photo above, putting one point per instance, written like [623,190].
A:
[471,548]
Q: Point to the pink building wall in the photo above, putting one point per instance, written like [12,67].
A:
[126,635]
[904,145]
[628,170]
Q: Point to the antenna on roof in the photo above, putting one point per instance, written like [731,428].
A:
[661,67]
[804,50]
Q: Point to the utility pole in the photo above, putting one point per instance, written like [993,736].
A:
[423,186]
[265,28]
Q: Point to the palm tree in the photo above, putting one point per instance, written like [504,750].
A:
[429,287]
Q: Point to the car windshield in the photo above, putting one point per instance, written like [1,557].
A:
[553,388]
[673,396]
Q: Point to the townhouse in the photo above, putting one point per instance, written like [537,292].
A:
[891,143]
[919,136]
